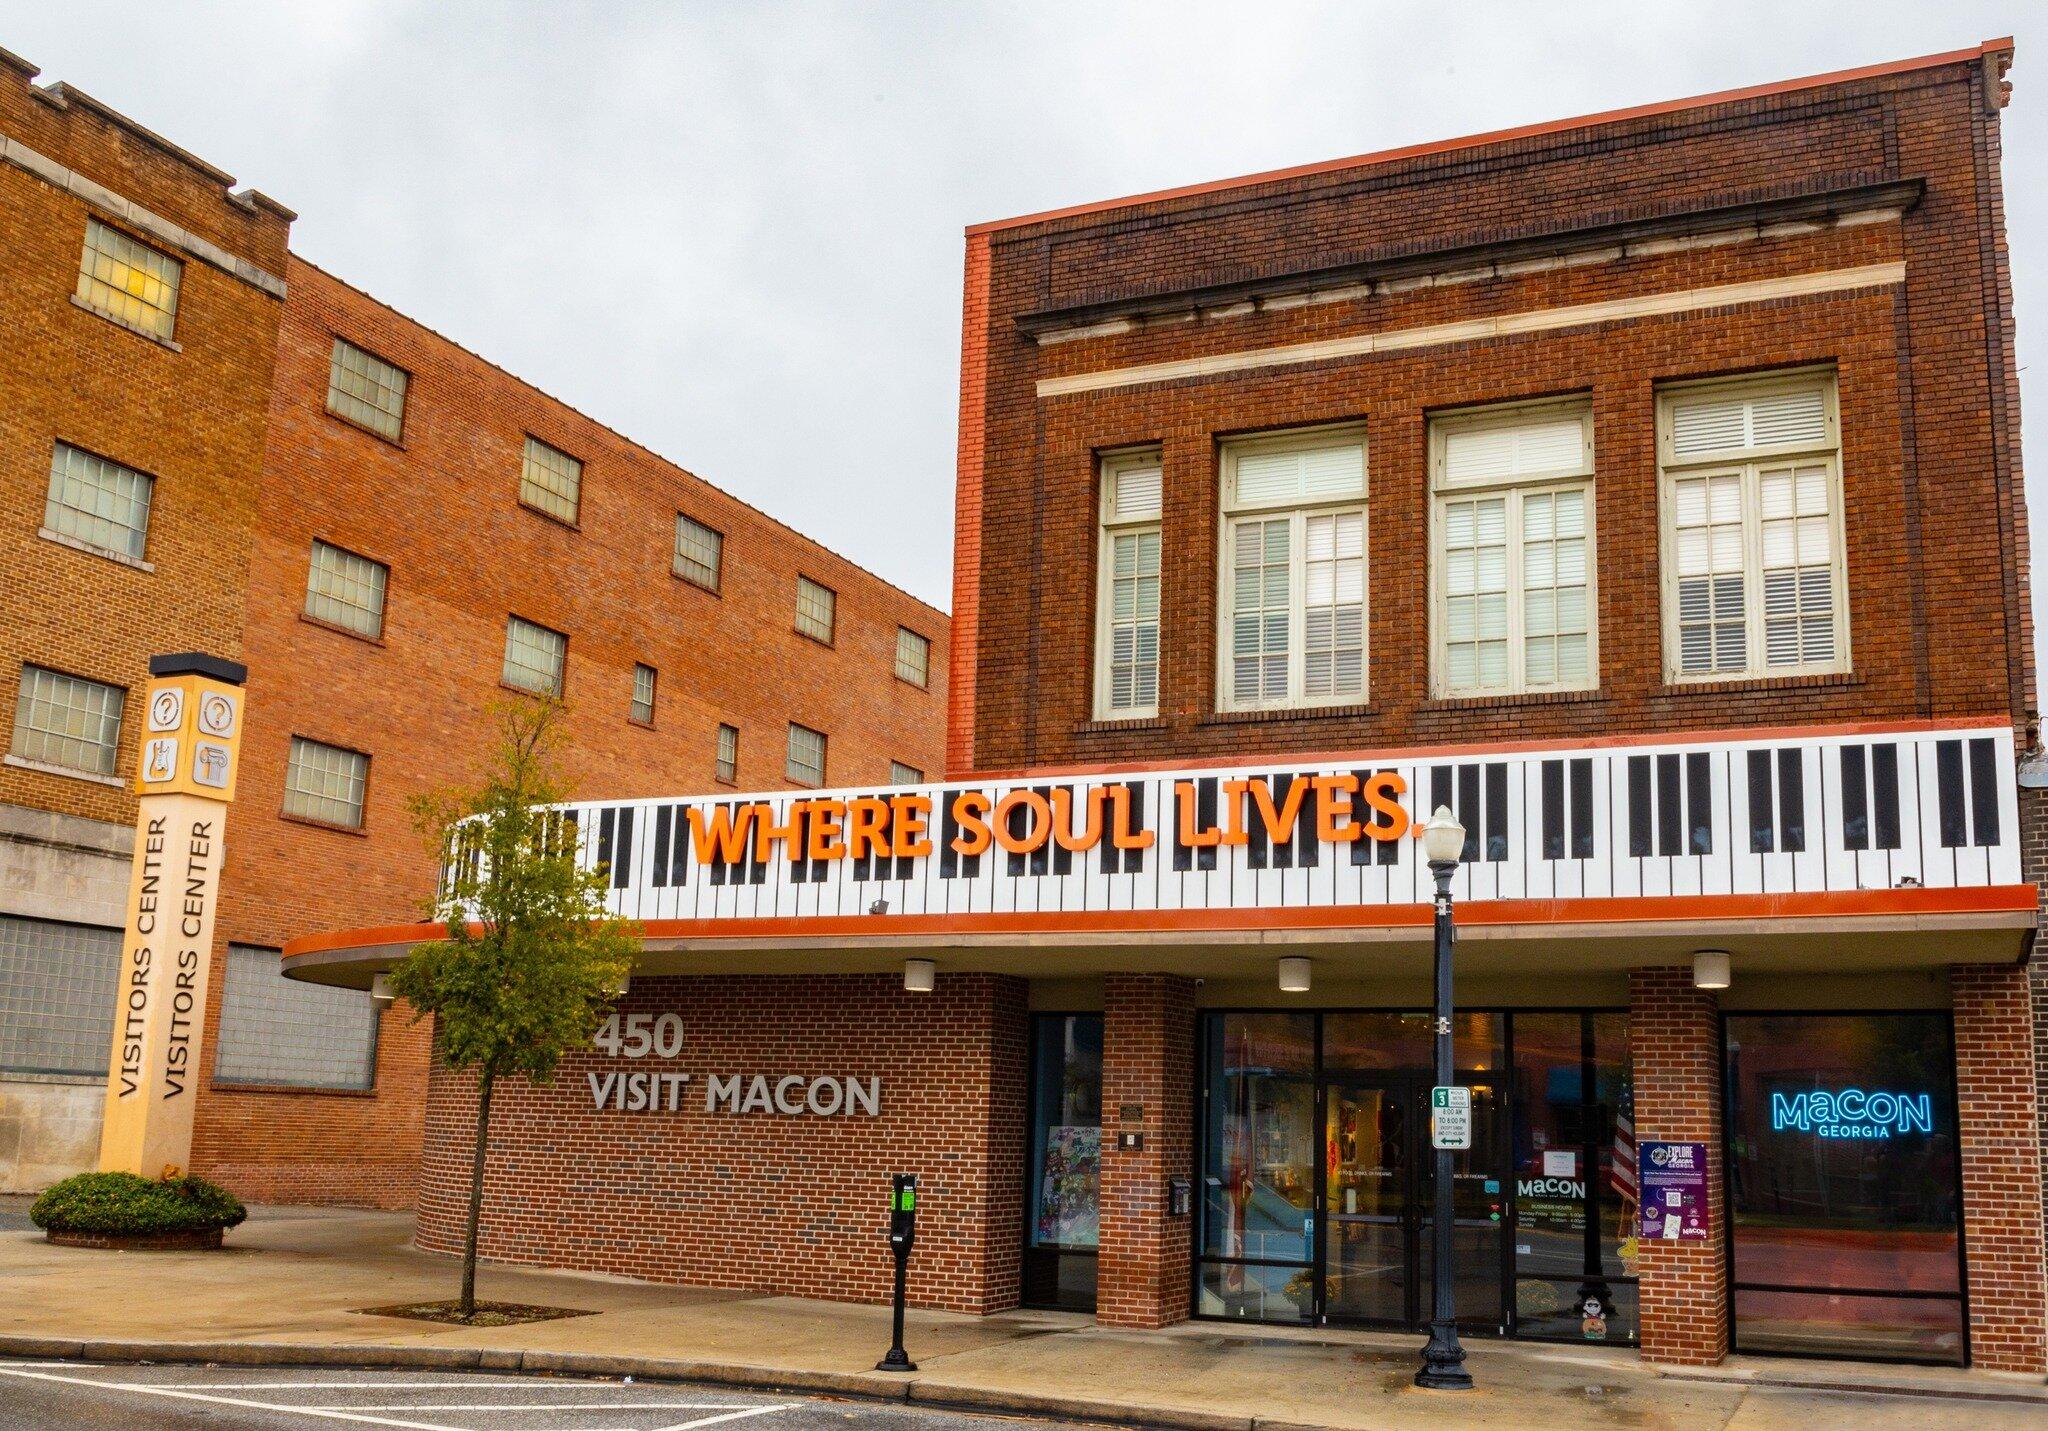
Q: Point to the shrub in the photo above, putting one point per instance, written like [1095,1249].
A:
[125,1203]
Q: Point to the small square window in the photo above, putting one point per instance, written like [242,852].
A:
[367,390]
[700,552]
[806,765]
[128,281]
[814,609]
[643,694]
[728,753]
[551,481]
[901,774]
[534,656]
[325,783]
[346,590]
[913,656]
[97,502]
[68,721]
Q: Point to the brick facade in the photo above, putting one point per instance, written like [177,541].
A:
[1148,1067]
[761,1202]
[1674,1035]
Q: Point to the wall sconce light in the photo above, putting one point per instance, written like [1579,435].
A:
[919,975]
[1294,975]
[623,987]
[1710,969]
[380,991]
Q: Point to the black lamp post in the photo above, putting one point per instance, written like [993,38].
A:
[1443,1359]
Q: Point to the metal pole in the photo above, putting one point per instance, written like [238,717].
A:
[1443,1359]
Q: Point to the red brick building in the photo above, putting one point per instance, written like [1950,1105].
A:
[211,444]
[1643,490]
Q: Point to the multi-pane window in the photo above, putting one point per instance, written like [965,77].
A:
[551,481]
[55,1016]
[700,552]
[728,768]
[365,389]
[1127,588]
[806,764]
[346,590]
[534,656]
[97,502]
[1754,581]
[68,721]
[1293,605]
[643,694]
[290,1033]
[325,783]
[901,774]
[814,609]
[128,280]
[913,657]
[1512,569]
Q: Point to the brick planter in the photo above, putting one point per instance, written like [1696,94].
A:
[198,1239]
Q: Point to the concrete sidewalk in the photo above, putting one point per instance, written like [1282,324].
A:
[286,1288]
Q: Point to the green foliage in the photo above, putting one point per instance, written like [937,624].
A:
[123,1202]
[532,955]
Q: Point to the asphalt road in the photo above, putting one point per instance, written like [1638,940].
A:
[59,1396]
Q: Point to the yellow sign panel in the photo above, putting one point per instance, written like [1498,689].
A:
[191,740]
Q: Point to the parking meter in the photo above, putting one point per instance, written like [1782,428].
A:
[902,1233]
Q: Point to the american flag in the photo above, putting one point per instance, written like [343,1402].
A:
[1622,1170]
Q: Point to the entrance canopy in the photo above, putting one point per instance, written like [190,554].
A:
[1606,856]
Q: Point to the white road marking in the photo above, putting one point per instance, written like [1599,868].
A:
[356,1385]
[546,1406]
[146,1389]
[728,1416]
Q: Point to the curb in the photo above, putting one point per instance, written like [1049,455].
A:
[852,1385]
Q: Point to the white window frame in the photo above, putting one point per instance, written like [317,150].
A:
[1112,466]
[1297,511]
[1443,492]
[725,766]
[1749,462]
[653,683]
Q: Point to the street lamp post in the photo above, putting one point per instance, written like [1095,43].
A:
[1443,1359]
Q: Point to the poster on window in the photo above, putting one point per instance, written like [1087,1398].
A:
[1067,1195]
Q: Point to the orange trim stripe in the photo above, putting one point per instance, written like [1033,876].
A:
[1501,136]
[1994,899]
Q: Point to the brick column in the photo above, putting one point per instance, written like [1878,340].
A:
[1148,1086]
[2001,1152]
[1675,1042]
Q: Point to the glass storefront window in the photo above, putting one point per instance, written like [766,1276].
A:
[1066,1161]
[1374,1041]
[1843,1180]
[1259,1163]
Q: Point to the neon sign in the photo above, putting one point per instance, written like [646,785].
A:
[1852,1113]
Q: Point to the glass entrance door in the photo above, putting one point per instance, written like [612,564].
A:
[1378,1191]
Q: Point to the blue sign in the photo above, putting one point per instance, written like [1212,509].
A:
[1852,1113]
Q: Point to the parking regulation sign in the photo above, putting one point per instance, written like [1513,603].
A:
[1450,1117]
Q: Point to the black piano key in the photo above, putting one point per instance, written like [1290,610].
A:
[799,867]
[949,830]
[679,850]
[1582,809]
[1114,860]
[1468,811]
[660,871]
[1640,815]
[757,867]
[1791,801]
[1255,852]
[1496,811]
[861,866]
[1670,818]
[1948,781]
[1440,797]
[1362,848]
[1984,790]
[1763,829]
[622,865]
[1699,801]
[1041,858]
[1134,860]
[1205,814]
[1183,854]
[1308,850]
[1855,799]
[707,854]
[1553,809]
[607,824]
[1884,775]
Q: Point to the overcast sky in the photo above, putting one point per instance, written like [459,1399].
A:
[733,231]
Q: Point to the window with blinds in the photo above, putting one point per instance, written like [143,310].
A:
[1294,571]
[1512,565]
[1754,581]
[1127,587]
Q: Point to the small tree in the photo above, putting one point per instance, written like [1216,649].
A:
[533,957]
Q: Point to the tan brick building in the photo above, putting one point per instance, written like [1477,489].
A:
[204,445]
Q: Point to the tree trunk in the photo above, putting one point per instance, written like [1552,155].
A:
[476,1194]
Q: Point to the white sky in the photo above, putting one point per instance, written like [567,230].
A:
[733,231]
